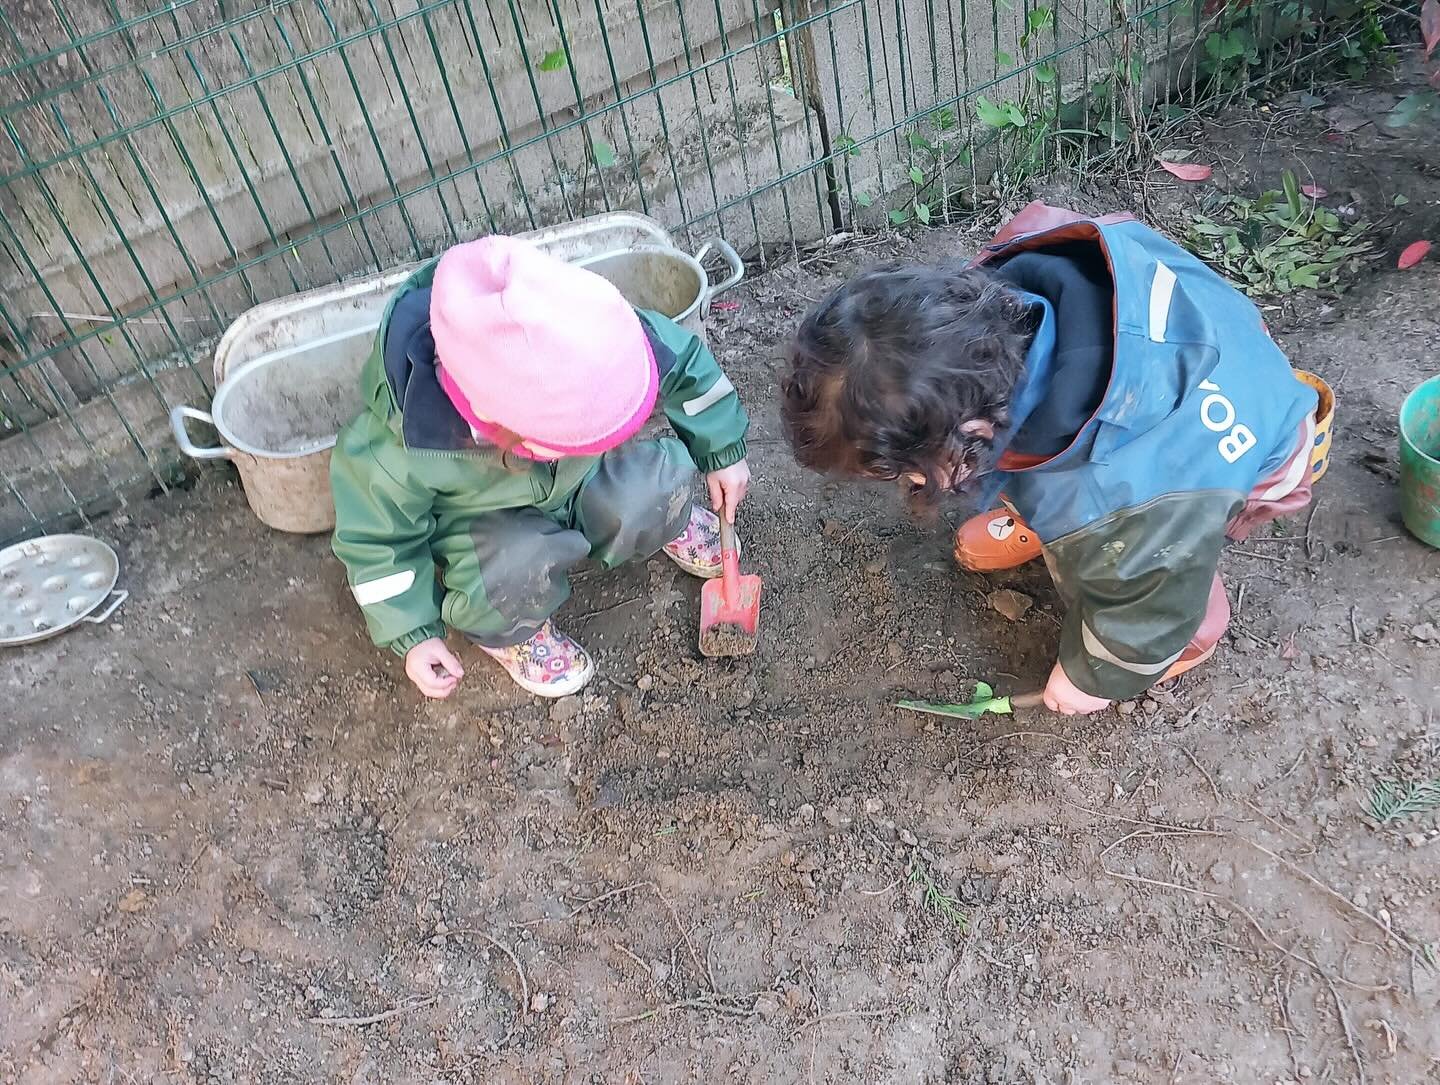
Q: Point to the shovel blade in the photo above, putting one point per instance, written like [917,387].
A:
[729,627]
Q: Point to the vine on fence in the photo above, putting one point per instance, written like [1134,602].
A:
[1243,52]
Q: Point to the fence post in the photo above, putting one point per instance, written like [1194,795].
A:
[806,78]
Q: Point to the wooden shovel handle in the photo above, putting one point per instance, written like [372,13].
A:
[1028,700]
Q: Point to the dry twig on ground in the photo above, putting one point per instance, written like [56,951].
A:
[375,1018]
[514,960]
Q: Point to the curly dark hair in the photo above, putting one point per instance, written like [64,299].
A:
[898,371]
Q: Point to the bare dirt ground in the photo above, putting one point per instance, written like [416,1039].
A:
[236,847]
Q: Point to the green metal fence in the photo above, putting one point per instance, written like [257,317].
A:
[165,168]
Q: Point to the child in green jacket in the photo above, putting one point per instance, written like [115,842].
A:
[494,448]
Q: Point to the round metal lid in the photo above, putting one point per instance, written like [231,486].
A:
[49,584]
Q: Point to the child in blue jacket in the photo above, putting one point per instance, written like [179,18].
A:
[1125,398]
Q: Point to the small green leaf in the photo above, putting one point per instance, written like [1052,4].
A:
[922,212]
[553,61]
[1015,115]
[936,900]
[1116,131]
[863,199]
[899,217]
[1391,800]
[848,145]
[1292,193]
[1401,199]
[983,692]
[990,114]
[1004,59]
[604,154]
[1411,108]
[1039,19]
[917,175]
[919,142]
[943,119]
[1231,46]
[1045,73]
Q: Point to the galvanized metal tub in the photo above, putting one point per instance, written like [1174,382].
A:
[667,280]
[278,416]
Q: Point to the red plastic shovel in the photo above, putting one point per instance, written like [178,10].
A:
[730,606]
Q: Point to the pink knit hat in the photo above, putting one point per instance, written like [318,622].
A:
[545,349]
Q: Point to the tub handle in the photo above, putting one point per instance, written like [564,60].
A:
[732,261]
[178,415]
[116,597]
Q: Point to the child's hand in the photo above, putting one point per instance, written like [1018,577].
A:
[433,668]
[1061,695]
[727,488]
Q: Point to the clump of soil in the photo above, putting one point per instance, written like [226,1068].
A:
[727,639]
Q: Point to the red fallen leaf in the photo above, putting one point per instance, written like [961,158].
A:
[1190,171]
[1333,137]
[1315,192]
[1413,254]
[1430,25]
[725,306]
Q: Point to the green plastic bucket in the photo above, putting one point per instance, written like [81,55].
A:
[1420,462]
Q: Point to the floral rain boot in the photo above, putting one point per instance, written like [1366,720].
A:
[697,548]
[549,664]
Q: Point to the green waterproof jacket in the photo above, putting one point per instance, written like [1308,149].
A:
[409,477]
